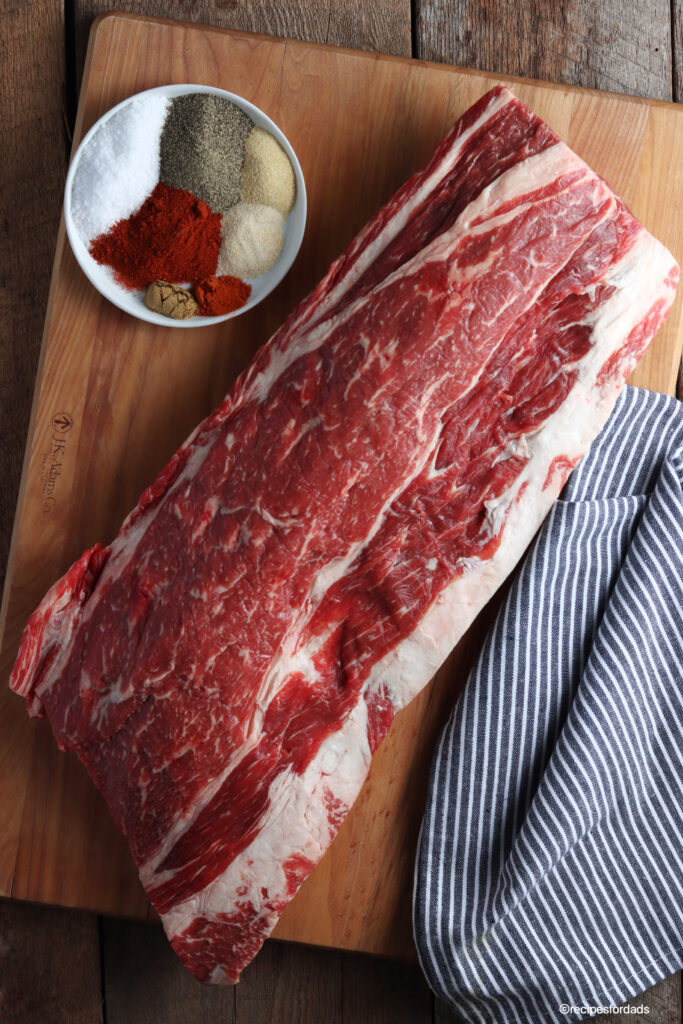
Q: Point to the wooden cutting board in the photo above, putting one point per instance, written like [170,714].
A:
[114,398]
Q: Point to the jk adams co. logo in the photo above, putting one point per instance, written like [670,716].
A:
[53,459]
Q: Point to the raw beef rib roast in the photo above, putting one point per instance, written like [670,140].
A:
[227,667]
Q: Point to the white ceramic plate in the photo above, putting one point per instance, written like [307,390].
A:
[133,302]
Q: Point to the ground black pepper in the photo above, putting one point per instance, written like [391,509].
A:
[202,148]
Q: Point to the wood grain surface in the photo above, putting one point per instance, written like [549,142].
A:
[35,151]
[159,992]
[35,46]
[382,992]
[572,41]
[380,26]
[34,158]
[49,966]
[131,392]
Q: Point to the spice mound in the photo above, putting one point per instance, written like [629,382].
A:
[173,236]
[202,146]
[171,300]
[184,200]
[253,236]
[219,295]
[267,174]
[119,167]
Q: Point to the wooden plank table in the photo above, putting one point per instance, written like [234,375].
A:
[59,966]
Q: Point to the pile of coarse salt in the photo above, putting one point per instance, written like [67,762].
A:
[119,167]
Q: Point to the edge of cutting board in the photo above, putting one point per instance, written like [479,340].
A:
[371,54]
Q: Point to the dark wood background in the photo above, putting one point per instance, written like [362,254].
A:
[66,967]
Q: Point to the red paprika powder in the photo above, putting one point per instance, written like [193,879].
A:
[173,237]
[219,295]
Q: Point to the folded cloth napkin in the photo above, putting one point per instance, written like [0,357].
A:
[549,873]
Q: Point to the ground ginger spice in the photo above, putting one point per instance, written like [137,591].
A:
[171,300]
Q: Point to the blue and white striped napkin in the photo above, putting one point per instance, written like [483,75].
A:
[549,874]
